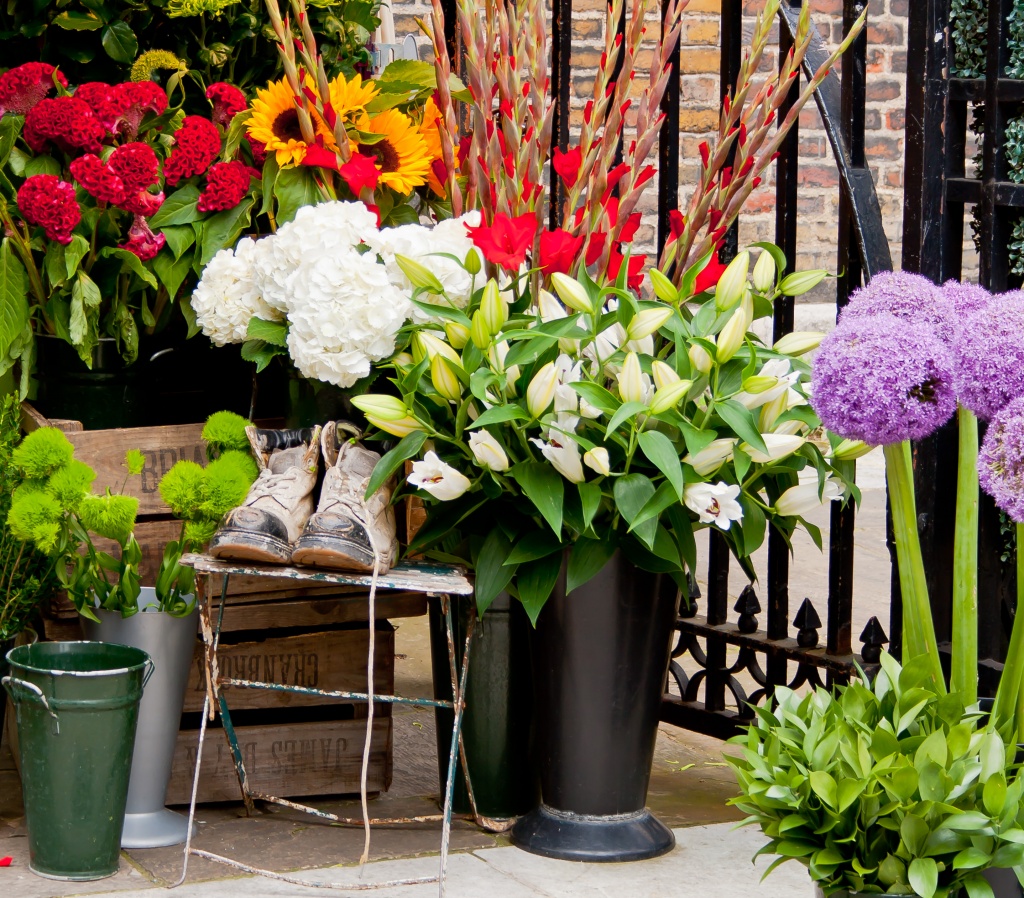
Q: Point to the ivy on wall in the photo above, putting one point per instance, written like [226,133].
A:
[968,21]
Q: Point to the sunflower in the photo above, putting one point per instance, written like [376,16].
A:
[275,123]
[401,155]
[348,97]
[432,137]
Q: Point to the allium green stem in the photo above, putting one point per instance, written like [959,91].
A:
[1006,707]
[964,669]
[918,629]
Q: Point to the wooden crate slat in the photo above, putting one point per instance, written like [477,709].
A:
[289,760]
[319,612]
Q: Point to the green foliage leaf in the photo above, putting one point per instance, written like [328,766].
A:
[534,581]
[624,412]
[499,414]
[590,499]
[13,298]
[172,273]
[531,546]
[632,492]
[74,20]
[587,558]
[276,334]
[293,189]
[120,42]
[741,420]
[664,456]
[492,574]
[924,876]
[130,262]
[222,230]
[409,447]
[543,486]
[178,209]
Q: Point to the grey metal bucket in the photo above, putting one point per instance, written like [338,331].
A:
[170,642]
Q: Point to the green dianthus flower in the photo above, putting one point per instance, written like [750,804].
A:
[42,452]
[226,430]
[71,484]
[110,516]
[178,8]
[199,533]
[228,479]
[35,517]
[183,488]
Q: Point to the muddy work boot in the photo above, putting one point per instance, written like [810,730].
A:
[346,531]
[265,526]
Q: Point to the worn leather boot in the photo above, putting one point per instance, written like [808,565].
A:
[279,503]
[346,531]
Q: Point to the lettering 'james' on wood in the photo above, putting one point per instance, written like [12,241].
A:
[288,760]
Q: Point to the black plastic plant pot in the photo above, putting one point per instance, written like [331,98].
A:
[600,656]
[499,707]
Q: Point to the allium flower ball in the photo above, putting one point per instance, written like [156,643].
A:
[226,185]
[988,357]
[907,296]
[1001,460]
[227,102]
[196,145]
[966,298]
[24,86]
[49,202]
[882,380]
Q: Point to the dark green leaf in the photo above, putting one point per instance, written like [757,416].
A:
[74,20]
[42,165]
[492,575]
[586,559]
[590,500]
[632,492]
[13,298]
[663,455]
[275,333]
[740,419]
[178,209]
[221,231]
[535,580]
[409,446]
[129,262]
[625,411]
[172,273]
[597,396]
[543,486]
[533,545]
[498,414]
[120,42]
[293,189]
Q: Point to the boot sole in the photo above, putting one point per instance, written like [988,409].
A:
[244,545]
[336,554]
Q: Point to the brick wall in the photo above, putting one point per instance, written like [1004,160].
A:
[818,194]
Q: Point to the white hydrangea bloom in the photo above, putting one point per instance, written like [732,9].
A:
[420,243]
[344,314]
[228,295]
[326,229]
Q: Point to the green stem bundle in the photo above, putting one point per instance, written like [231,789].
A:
[964,667]
[1008,695]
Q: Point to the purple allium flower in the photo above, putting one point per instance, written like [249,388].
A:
[905,295]
[966,298]
[882,380]
[988,356]
[1001,460]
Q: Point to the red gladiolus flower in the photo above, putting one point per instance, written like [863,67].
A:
[98,179]
[66,122]
[595,246]
[506,241]
[676,223]
[558,251]
[360,172]
[196,145]
[142,241]
[23,87]
[375,210]
[227,102]
[710,275]
[634,274]
[226,185]
[49,202]
[6,861]
[135,164]
[630,228]
[568,165]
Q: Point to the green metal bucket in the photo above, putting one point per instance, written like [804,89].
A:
[77,704]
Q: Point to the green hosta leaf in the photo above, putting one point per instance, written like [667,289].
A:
[664,456]
[543,486]
[587,558]
[409,447]
[120,42]
[534,581]
[923,874]
[276,333]
[492,574]
[13,298]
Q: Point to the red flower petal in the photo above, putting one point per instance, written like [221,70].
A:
[506,240]
[558,251]
[360,172]
[568,165]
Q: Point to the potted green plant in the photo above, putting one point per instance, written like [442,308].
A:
[890,787]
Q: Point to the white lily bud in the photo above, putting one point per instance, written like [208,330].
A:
[849,450]
[631,383]
[647,322]
[457,334]
[711,457]
[664,374]
[400,427]
[473,264]
[664,289]
[487,451]
[700,358]
[798,342]
[479,333]
[445,381]
[550,308]
[759,383]
[597,460]
[800,282]
[778,446]
[380,405]
[541,391]
[800,500]
[764,273]
[669,396]
[732,285]
[425,345]
[731,337]
[404,360]
[572,293]
[493,307]
[419,275]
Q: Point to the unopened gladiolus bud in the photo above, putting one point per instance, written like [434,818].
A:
[380,405]
[541,391]
[457,334]
[493,307]
[487,451]
[572,292]
[778,446]
[597,460]
[479,332]
[664,374]
[732,285]
[700,358]
[759,383]
[764,273]
[669,396]
[419,275]
[472,263]
[631,384]
[664,289]
[647,322]
[803,499]
[444,378]
[798,342]
[848,450]
[711,457]
[732,336]
[800,282]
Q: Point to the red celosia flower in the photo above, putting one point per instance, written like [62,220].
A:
[49,202]
[259,151]
[104,101]
[227,102]
[142,241]
[226,184]
[136,99]
[558,251]
[142,203]
[506,241]
[568,165]
[359,172]
[98,179]
[66,122]
[634,275]
[22,87]
[135,164]
[710,275]
[196,145]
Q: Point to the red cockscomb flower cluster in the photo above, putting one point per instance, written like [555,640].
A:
[49,202]
[120,108]
[98,179]
[23,87]
[227,102]
[135,164]
[226,184]
[123,180]
[67,123]
[196,145]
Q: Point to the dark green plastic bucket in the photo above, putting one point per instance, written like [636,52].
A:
[77,704]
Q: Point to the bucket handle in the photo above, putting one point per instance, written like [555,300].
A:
[32,687]
[150,667]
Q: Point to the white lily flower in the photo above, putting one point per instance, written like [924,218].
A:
[564,454]
[778,446]
[566,399]
[714,503]
[784,380]
[487,451]
[439,479]
[597,460]
[789,428]
[700,358]
[550,308]
[589,411]
[800,500]
[711,457]
[848,450]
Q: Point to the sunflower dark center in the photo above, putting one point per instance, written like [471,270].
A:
[385,154]
[924,392]
[286,126]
